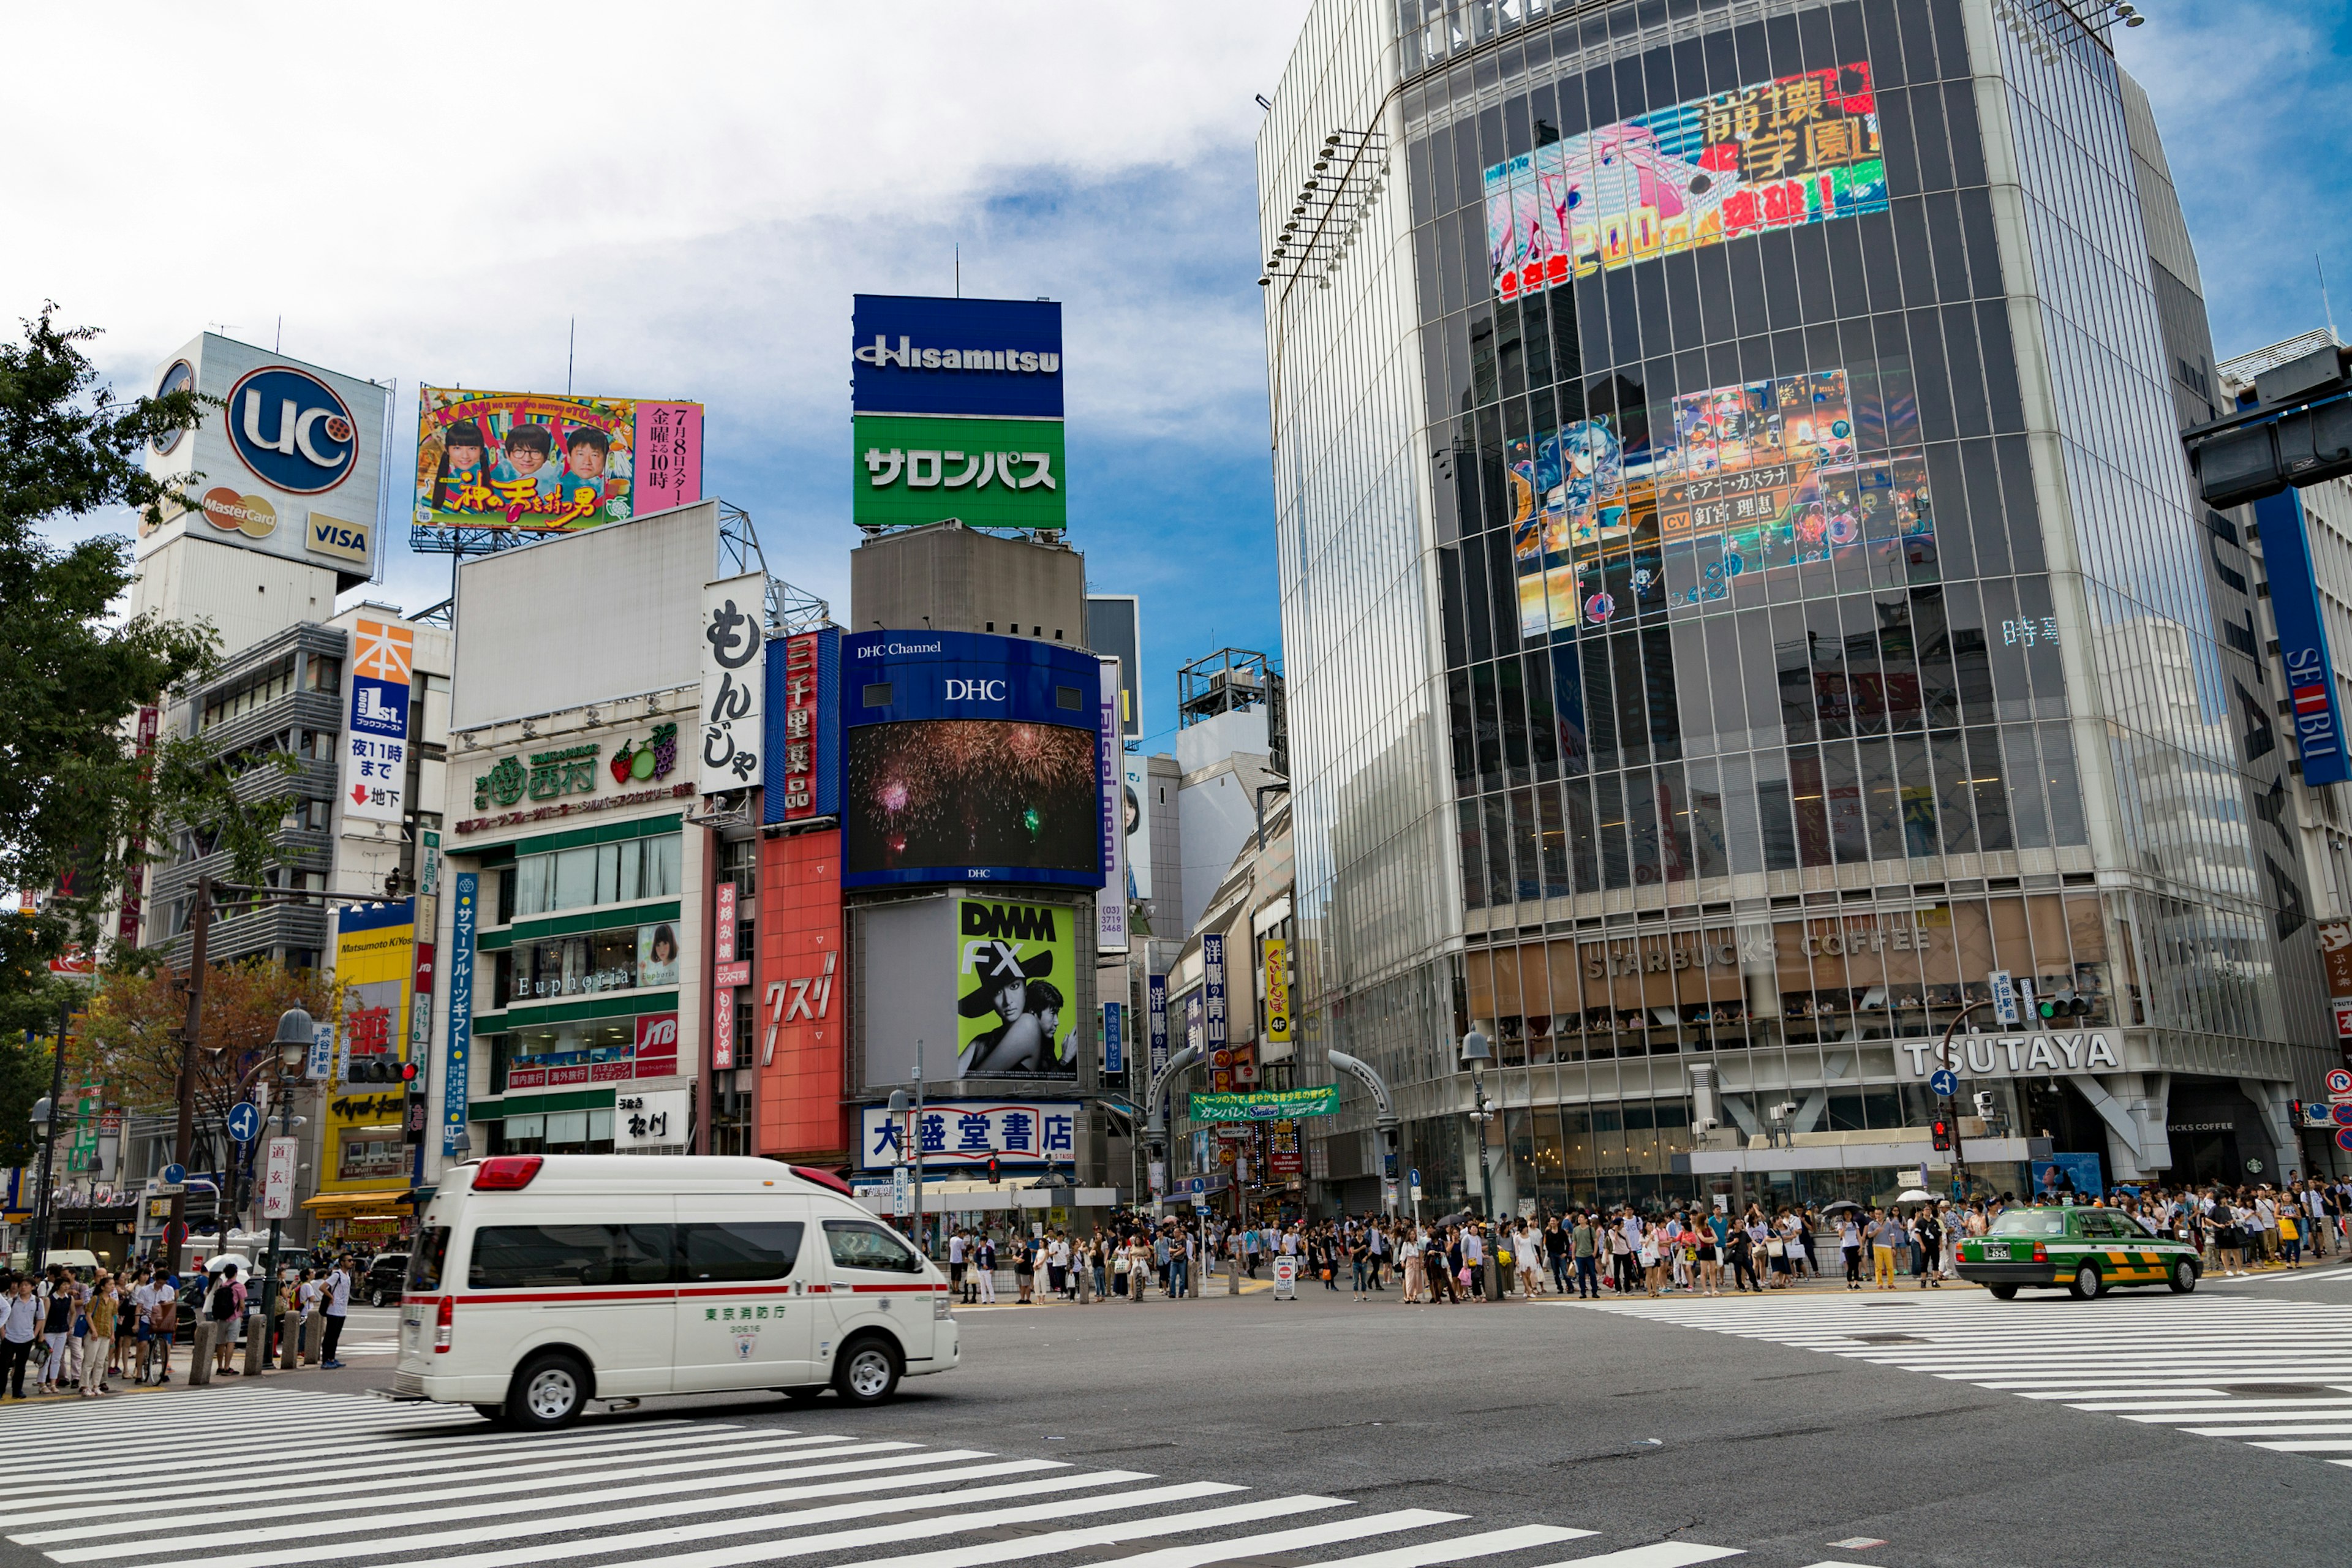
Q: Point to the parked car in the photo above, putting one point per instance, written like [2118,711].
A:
[382,1281]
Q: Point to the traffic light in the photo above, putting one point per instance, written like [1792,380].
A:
[2295,1112]
[994,1175]
[2062,1007]
[1943,1136]
[408,1072]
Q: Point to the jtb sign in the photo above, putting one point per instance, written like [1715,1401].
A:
[2303,640]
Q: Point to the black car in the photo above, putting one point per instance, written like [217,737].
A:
[385,1278]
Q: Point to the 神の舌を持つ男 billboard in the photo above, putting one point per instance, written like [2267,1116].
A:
[1771,154]
[551,462]
[1016,989]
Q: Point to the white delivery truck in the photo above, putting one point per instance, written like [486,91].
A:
[540,1282]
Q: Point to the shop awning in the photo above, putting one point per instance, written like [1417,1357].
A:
[384,1198]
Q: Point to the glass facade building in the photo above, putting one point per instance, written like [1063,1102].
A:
[1743,595]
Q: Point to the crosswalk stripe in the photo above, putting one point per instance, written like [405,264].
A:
[214,1455]
[162,1494]
[1460,1548]
[2159,1361]
[913,1530]
[1302,1538]
[1053,1542]
[561,1485]
[1657,1554]
[865,1508]
[135,1440]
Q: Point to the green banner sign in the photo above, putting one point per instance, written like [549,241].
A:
[1273,1105]
[989,473]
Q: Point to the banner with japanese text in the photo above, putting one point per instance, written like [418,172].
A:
[952,1132]
[551,463]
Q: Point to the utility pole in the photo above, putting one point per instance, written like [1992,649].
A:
[37,1253]
[184,1141]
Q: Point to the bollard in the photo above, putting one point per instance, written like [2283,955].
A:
[314,1334]
[257,1342]
[290,1342]
[200,1355]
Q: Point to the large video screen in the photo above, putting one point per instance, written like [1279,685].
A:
[936,799]
[1773,155]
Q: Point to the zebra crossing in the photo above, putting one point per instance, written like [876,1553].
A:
[260,1477]
[2273,1373]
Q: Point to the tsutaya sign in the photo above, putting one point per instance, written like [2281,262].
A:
[2013,1056]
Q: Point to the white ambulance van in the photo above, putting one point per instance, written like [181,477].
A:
[540,1282]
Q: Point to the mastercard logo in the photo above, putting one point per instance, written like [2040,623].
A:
[252,516]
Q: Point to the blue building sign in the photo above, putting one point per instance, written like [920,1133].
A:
[921,354]
[2303,639]
[461,1016]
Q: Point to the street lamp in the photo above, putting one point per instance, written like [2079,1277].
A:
[44,1130]
[1478,1054]
[295,1032]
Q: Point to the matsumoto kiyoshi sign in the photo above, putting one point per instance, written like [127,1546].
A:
[2032,1053]
[1267,1105]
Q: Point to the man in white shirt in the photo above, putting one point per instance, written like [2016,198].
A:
[958,1281]
[339,1304]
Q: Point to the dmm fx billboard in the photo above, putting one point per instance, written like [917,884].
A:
[1016,989]
[544,463]
[291,466]
[375,736]
[957,412]
[376,970]
[2303,640]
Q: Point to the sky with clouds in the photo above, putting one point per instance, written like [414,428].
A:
[700,192]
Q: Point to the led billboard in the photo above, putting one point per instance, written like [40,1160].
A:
[970,758]
[1610,521]
[289,466]
[1016,990]
[551,463]
[1773,155]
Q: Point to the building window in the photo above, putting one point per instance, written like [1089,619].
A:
[263,688]
[595,874]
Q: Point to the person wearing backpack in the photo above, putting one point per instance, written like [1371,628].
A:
[338,1306]
[224,1304]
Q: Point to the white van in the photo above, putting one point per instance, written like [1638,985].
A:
[540,1282]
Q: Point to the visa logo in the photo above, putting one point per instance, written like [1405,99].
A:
[333,536]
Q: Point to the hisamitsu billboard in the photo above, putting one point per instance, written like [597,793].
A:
[921,354]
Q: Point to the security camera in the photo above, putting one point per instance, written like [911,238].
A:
[1708,1124]
[1785,1109]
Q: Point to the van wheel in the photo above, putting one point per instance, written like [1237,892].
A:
[867,1373]
[2184,1277]
[2088,1284]
[548,1392]
[2003,1292]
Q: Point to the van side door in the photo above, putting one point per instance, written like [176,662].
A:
[875,1277]
[744,1317]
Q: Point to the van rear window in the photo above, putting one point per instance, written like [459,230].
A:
[520,1257]
[739,1250]
[425,1261]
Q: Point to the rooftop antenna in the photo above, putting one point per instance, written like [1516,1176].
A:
[570,350]
[2325,309]
[278,347]
[958,270]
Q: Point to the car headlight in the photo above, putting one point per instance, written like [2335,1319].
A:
[942,1309]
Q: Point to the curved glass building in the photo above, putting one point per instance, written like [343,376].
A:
[1745,611]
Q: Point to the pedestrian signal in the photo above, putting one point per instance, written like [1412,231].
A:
[1943,1135]
[993,1174]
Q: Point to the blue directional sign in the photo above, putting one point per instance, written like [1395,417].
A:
[1196,1186]
[1416,1177]
[245,1121]
[174,1175]
[1945,1081]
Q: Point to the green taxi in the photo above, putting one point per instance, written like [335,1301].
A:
[2087,1250]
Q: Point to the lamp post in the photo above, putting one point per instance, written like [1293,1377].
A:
[45,1133]
[1476,1054]
[293,1046]
[1950,1103]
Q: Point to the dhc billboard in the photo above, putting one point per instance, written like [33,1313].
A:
[2303,640]
[969,759]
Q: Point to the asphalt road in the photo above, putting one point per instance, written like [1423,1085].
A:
[1642,1430]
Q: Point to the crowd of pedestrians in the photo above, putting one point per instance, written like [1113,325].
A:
[65,1331]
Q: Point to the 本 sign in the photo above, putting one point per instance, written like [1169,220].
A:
[375,736]
[278,1178]
[734,673]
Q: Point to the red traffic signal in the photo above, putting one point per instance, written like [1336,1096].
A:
[994,1176]
[1943,1130]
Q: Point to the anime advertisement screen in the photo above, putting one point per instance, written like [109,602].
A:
[939,799]
[546,463]
[1016,991]
[1741,480]
[1774,154]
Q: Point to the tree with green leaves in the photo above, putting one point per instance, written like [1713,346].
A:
[77,800]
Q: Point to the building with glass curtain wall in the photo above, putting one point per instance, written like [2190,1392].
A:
[1742,594]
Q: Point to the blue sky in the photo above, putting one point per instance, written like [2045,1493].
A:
[704,203]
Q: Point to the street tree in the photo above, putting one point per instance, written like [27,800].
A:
[80,808]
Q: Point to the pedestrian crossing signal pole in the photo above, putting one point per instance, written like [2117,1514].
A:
[1946,1105]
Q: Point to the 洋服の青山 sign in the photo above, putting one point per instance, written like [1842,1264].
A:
[1267,1105]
